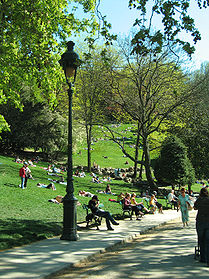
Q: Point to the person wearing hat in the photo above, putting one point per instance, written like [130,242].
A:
[94,206]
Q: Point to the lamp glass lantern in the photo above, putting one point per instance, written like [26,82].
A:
[70,61]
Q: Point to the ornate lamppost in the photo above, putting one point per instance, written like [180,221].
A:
[70,62]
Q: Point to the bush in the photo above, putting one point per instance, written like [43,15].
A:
[173,165]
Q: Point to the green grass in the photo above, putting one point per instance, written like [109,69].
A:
[105,147]
[26,215]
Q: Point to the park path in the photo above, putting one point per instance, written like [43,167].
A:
[166,252]
[44,259]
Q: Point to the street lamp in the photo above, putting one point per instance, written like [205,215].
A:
[70,62]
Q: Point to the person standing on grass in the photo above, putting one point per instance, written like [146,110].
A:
[202,224]
[27,174]
[22,176]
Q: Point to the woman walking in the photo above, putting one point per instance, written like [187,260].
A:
[202,224]
[183,203]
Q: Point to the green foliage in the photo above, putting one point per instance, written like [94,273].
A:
[194,117]
[175,19]
[36,126]
[173,166]
[3,125]
[32,33]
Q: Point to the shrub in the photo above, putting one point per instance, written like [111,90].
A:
[173,165]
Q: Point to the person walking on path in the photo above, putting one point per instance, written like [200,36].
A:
[202,224]
[22,176]
[93,205]
[183,202]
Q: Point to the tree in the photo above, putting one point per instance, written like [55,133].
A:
[194,122]
[173,166]
[32,34]
[89,102]
[36,126]
[175,18]
[148,89]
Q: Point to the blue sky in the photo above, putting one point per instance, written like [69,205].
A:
[122,19]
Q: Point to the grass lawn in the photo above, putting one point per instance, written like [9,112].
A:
[26,215]
[105,147]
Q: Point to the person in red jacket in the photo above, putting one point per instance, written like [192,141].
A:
[22,176]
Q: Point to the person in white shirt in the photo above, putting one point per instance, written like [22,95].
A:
[27,174]
[173,199]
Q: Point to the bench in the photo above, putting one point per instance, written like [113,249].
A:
[126,211]
[147,202]
[92,220]
[169,204]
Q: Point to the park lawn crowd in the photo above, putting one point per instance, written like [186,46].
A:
[181,201]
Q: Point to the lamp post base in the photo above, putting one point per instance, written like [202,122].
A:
[69,219]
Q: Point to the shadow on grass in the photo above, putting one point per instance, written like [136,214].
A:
[15,232]
[11,185]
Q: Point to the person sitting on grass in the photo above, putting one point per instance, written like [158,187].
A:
[94,206]
[139,205]
[108,189]
[82,174]
[96,180]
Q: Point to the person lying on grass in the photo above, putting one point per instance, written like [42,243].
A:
[50,186]
[85,194]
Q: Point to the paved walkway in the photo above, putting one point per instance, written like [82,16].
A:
[46,257]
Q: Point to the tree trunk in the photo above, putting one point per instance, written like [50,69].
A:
[147,163]
[141,167]
[88,138]
[136,153]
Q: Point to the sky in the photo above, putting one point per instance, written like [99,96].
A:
[122,19]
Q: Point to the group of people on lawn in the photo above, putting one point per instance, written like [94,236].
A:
[183,202]
[25,173]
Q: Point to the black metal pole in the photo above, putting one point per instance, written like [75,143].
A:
[69,201]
